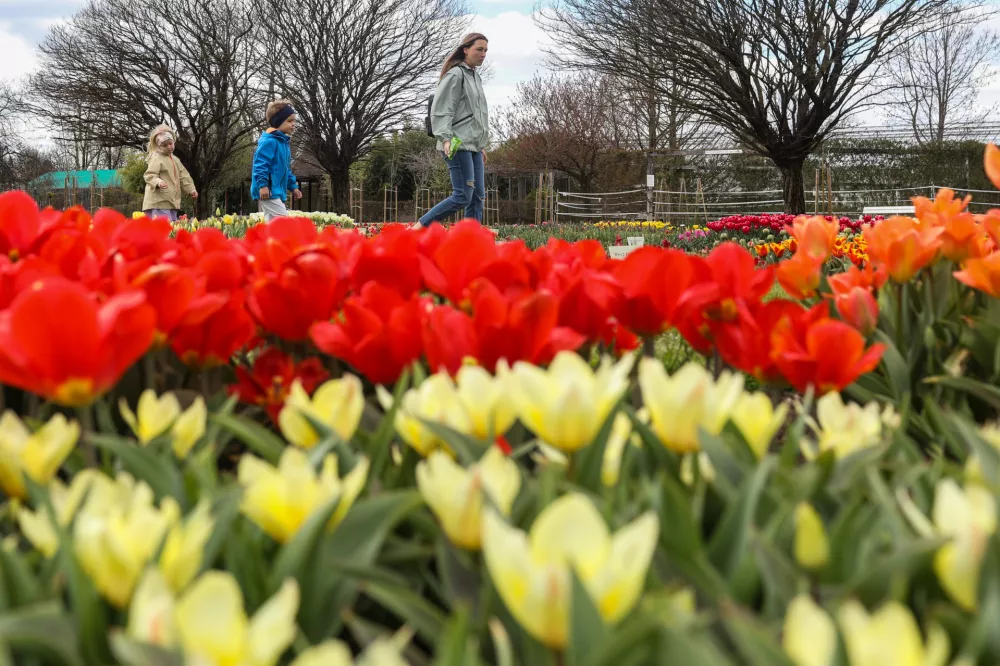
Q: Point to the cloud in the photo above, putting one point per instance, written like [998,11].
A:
[31,19]
[19,56]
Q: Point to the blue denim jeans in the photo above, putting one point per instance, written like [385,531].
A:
[468,186]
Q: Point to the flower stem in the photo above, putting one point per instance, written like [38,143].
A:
[86,417]
[149,370]
[899,316]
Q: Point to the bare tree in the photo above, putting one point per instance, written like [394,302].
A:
[357,69]
[778,75]
[120,67]
[567,123]
[8,138]
[938,77]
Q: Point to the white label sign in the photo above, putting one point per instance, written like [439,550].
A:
[636,241]
[650,180]
[619,251]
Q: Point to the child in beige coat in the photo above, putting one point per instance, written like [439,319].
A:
[165,177]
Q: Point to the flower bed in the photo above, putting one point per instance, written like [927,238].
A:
[776,223]
[310,446]
[235,226]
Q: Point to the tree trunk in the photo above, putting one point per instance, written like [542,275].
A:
[340,184]
[201,203]
[793,186]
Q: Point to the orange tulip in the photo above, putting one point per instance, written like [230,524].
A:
[858,308]
[982,274]
[867,278]
[962,234]
[816,235]
[943,207]
[991,224]
[903,246]
[991,162]
[800,275]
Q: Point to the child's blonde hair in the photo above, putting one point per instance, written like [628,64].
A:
[154,137]
[274,107]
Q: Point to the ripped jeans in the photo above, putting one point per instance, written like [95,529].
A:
[468,189]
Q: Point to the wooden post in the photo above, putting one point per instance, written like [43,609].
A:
[816,194]
[829,189]
[700,196]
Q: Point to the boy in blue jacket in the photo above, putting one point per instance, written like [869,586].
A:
[272,162]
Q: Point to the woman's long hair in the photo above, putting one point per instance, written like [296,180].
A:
[458,55]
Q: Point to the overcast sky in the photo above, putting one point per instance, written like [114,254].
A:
[515,41]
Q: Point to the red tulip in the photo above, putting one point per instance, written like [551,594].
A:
[56,341]
[518,329]
[377,332]
[214,339]
[653,281]
[746,343]
[267,383]
[449,338]
[824,353]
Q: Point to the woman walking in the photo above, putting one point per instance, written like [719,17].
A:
[460,122]
[165,176]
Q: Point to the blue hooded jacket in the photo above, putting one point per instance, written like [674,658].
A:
[272,166]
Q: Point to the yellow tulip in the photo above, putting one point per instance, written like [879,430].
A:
[37,527]
[117,532]
[690,400]
[531,572]
[811,546]
[435,400]
[209,622]
[706,470]
[280,499]
[758,421]
[969,517]
[809,637]
[381,652]
[337,404]
[889,636]
[566,404]
[486,401]
[212,625]
[621,435]
[455,495]
[846,429]
[973,466]
[189,428]
[328,653]
[151,613]
[152,417]
[37,455]
[184,548]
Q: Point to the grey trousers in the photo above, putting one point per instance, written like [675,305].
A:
[272,208]
[170,214]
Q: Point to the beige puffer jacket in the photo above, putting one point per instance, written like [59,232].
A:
[165,169]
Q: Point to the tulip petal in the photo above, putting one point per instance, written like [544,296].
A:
[571,530]
[211,621]
[273,628]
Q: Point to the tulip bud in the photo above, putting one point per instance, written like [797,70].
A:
[859,309]
[811,547]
